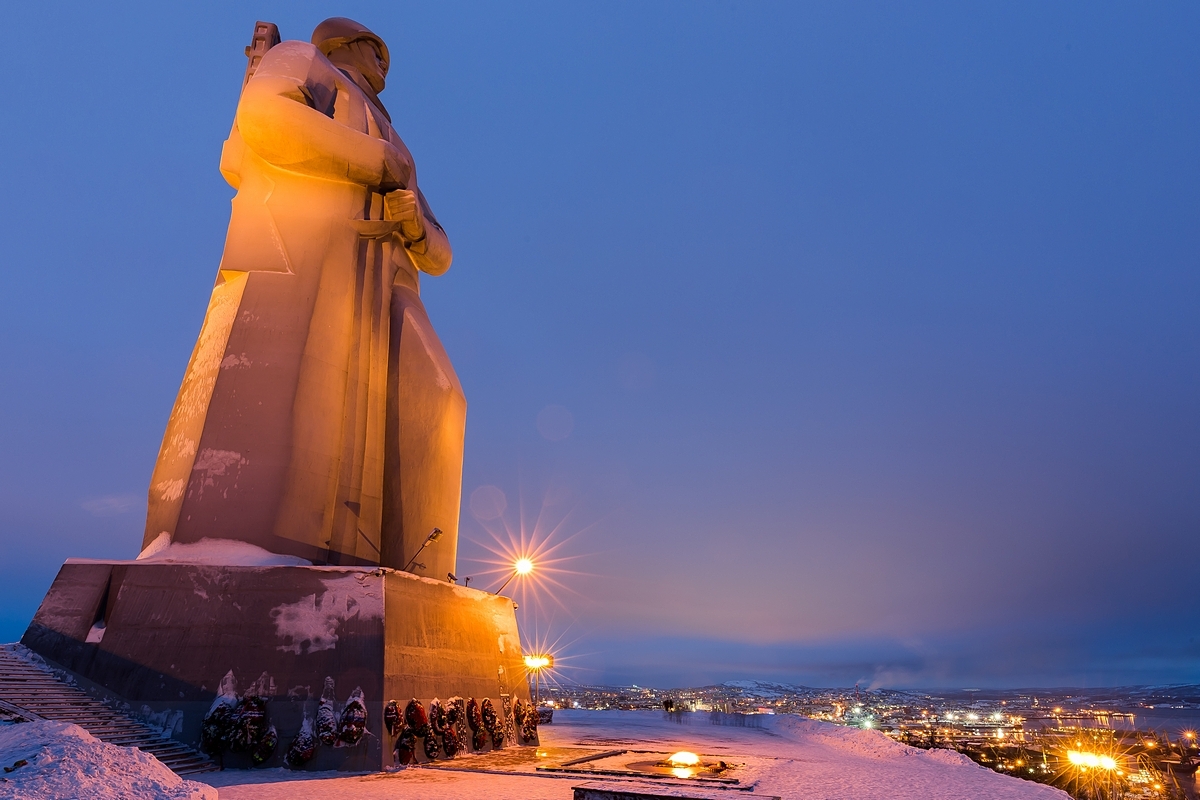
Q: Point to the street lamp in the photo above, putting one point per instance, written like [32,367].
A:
[535,663]
[434,535]
[522,566]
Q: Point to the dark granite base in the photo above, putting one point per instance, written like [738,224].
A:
[162,637]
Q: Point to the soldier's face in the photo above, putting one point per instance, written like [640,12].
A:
[365,56]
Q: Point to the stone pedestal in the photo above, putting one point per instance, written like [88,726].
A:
[164,637]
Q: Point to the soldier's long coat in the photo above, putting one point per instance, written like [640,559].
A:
[319,415]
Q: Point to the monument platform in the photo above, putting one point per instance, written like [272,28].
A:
[175,640]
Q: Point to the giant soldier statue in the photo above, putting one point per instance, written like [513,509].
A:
[319,416]
[319,419]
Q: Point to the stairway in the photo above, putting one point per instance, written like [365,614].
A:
[33,691]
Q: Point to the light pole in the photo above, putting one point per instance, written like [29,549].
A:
[535,664]
[434,535]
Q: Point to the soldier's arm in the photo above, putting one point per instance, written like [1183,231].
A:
[284,116]
[432,254]
[420,231]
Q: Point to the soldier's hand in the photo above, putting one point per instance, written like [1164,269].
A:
[404,207]
[397,169]
[401,205]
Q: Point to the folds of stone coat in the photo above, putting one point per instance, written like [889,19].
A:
[319,415]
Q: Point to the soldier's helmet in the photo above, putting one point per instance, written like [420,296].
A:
[337,31]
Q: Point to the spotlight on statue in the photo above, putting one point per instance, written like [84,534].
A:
[433,536]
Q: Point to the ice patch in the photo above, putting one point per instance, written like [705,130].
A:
[235,361]
[170,490]
[310,625]
[183,446]
[216,462]
[96,633]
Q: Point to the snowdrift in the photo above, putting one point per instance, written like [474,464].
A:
[63,760]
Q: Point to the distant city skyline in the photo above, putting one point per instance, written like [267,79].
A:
[826,343]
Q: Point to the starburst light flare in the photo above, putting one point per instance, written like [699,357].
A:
[531,547]
[522,566]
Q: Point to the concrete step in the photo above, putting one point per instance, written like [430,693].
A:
[35,691]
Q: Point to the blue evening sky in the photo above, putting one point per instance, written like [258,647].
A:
[849,342]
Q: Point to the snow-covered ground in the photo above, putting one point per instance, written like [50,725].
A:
[64,761]
[793,758]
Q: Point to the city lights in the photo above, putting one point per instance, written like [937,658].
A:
[1083,757]
[1091,760]
[1019,737]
